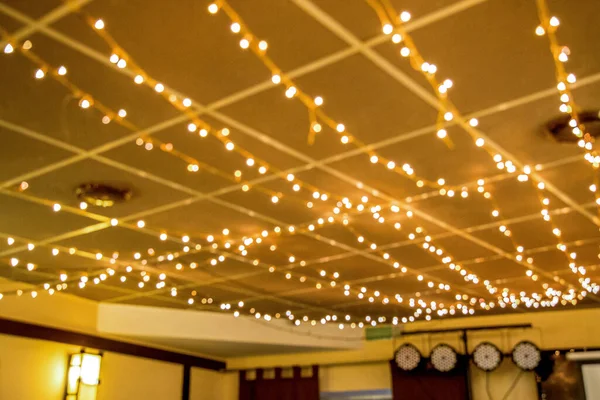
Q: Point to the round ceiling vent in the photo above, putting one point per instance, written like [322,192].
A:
[561,130]
[102,195]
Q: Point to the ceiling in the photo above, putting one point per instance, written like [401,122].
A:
[503,74]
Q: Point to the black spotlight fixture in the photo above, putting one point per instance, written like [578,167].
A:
[526,355]
[408,357]
[487,356]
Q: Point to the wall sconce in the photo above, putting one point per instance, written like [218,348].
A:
[83,376]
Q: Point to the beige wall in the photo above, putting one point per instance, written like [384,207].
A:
[500,381]
[125,378]
[340,378]
[32,369]
[36,369]
[212,385]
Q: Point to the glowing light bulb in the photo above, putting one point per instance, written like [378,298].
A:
[473,122]
[405,52]
[159,87]
[56,207]
[244,43]
[141,224]
[318,101]
[276,79]
[62,70]
[554,22]
[39,74]
[387,29]
[540,30]
[84,103]
[8,48]
[213,8]
[442,133]
[262,45]
[121,63]
[138,79]
[290,92]
[405,16]
[229,146]
[374,159]
[122,113]
[99,24]
[235,27]
[479,142]
[448,116]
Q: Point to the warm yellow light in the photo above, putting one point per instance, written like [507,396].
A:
[235,27]
[39,74]
[99,24]
[90,369]
[62,70]
[290,92]
[213,8]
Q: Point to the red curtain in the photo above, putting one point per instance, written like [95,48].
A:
[428,384]
[280,388]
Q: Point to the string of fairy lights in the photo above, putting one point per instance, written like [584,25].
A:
[86,101]
[392,23]
[316,114]
[560,54]
[122,62]
[287,275]
[319,283]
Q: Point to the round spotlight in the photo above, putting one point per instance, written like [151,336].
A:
[526,355]
[443,358]
[408,357]
[487,356]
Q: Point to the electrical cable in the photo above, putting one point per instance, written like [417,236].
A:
[513,385]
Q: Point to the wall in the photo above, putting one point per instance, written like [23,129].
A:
[212,385]
[125,377]
[31,369]
[500,381]
[36,370]
[357,377]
